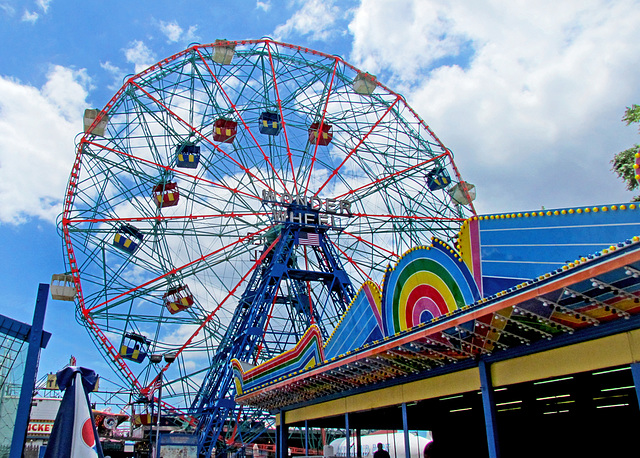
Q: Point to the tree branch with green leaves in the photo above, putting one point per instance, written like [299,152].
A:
[623,162]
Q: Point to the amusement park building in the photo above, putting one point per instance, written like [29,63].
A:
[532,347]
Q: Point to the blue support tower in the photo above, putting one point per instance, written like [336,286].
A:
[281,278]
[37,338]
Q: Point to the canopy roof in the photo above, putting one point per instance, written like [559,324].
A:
[587,298]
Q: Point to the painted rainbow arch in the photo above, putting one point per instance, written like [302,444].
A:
[427,282]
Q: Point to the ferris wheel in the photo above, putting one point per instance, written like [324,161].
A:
[186,184]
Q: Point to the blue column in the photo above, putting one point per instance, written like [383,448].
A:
[348,434]
[30,373]
[282,434]
[489,410]
[405,426]
[306,437]
[635,373]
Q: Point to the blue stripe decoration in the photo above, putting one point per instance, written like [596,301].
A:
[358,327]
[520,247]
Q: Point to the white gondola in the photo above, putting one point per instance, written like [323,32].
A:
[90,116]
[223,54]
[463,193]
[62,287]
[364,83]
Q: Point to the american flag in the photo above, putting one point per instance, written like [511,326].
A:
[156,385]
[308,238]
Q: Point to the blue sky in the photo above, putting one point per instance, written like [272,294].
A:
[527,95]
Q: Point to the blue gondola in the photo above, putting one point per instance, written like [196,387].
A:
[438,178]
[134,347]
[187,156]
[127,238]
[270,123]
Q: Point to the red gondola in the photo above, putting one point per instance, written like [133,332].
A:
[178,299]
[326,133]
[166,194]
[225,130]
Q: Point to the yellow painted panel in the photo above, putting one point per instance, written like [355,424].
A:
[379,398]
[445,385]
[464,239]
[609,351]
[325,409]
[467,380]
[634,345]
[595,354]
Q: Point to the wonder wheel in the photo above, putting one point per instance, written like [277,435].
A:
[242,189]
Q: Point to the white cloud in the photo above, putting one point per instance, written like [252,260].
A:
[30,16]
[140,55]
[415,35]
[175,33]
[533,114]
[8,9]
[265,6]
[37,130]
[172,31]
[190,34]
[117,73]
[313,17]
[44,4]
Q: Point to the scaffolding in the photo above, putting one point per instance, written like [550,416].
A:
[20,345]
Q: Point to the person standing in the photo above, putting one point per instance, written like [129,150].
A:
[431,451]
[381,453]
